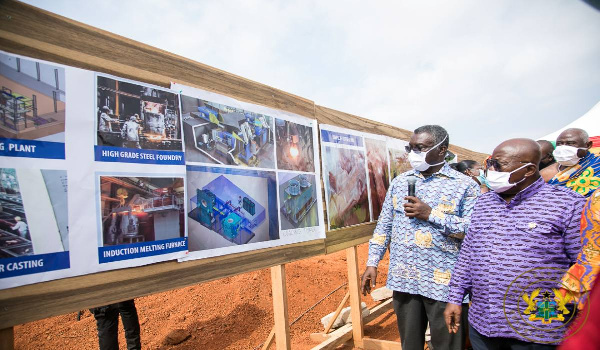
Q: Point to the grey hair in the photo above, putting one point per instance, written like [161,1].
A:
[437,132]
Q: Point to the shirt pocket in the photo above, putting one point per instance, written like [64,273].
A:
[539,229]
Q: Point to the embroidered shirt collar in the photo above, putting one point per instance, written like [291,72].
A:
[445,171]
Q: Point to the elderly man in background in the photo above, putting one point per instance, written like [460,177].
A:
[523,236]
[424,234]
[577,168]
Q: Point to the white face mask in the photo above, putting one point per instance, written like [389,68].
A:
[567,155]
[417,160]
[498,181]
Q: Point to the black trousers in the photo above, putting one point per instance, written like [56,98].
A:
[414,311]
[481,342]
[107,320]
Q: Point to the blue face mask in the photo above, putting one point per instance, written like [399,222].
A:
[482,179]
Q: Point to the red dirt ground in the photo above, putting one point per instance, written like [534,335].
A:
[231,313]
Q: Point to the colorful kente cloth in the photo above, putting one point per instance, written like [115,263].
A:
[581,276]
[583,177]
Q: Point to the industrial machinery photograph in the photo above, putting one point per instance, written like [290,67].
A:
[220,134]
[136,116]
[32,100]
[141,209]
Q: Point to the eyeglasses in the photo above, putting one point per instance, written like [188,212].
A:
[417,149]
[493,163]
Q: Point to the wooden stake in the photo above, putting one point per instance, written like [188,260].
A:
[337,312]
[354,290]
[7,339]
[269,340]
[280,308]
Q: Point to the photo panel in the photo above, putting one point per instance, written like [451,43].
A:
[34,234]
[295,148]
[230,207]
[398,157]
[298,198]
[137,123]
[32,108]
[379,176]
[220,134]
[140,216]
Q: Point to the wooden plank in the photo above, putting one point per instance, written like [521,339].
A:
[41,300]
[331,116]
[348,237]
[354,290]
[110,53]
[269,340]
[336,313]
[376,344]
[7,339]
[344,333]
[280,308]
[338,337]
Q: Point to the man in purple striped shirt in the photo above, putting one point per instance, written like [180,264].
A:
[523,236]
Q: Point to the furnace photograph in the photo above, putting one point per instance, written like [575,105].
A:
[298,200]
[141,209]
[295,149]
[32,100]
[379,176]
[345,178]
[220,134]
[230,207]
[135,116]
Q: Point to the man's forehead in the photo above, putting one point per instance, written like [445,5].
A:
[502,153]
[423,137]
[570,136]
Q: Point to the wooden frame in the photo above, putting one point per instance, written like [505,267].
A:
[29,31]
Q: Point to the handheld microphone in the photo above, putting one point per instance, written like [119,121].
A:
[412,187]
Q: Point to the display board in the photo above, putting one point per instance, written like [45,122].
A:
[252,175]
[357,170]
[148,166]
[65,128]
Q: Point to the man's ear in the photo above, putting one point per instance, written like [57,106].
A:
[589,144]
[531,170]
[443,150]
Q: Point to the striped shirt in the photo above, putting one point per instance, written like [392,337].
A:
[513,258]
[423,252]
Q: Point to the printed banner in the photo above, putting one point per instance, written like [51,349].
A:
[251,175]
[358,168]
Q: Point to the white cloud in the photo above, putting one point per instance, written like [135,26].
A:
[485,70]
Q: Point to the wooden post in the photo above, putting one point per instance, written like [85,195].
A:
[280,308]
[7,339]
[354,290]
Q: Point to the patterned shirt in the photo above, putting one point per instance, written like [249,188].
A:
[582,275]
[513,258]
[423,253]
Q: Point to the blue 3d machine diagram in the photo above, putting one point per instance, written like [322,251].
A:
[224,208]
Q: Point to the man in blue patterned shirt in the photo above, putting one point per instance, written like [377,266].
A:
[424,234]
